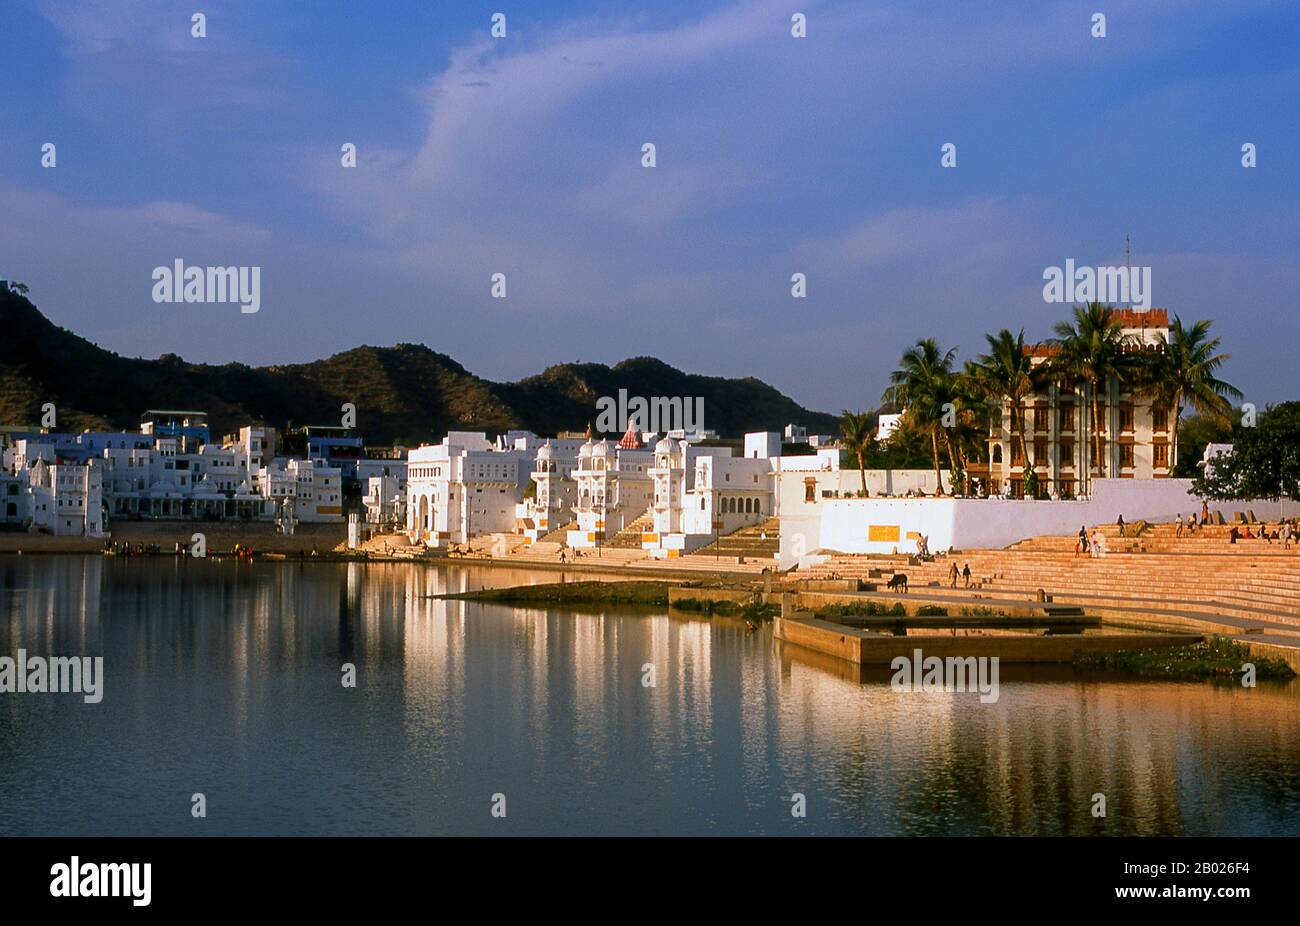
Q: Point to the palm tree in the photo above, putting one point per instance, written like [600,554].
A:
[1185,370]
[925,385]
[1007,373]
[856,432]
[1093,349]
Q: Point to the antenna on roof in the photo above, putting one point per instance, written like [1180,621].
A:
[1128,258]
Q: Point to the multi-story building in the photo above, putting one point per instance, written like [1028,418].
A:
[1059,436]
[463,488]
[67,498]
[554,490]
[613,488]
[188,427]
[701,493]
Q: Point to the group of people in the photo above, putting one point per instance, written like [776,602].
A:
[1285,532]
[954,574]
[1094,545]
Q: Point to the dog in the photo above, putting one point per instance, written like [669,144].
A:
[898,581]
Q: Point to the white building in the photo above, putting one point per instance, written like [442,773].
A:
[67,498]
[614,488]
[316,489]
[463,488]
[702,493]
[385,501]
[554,490]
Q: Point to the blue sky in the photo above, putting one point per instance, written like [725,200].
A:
[775,155]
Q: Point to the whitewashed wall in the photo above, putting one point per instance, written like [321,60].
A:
[844,524]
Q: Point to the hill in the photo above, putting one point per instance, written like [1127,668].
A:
[406,394]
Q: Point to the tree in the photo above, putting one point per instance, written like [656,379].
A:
[1093,349]
[1185,371]
[1193,435]
[1008,374]
[856,431]
[1264,463]
[925,385]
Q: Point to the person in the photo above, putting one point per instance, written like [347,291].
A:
[1191,524]
[1205,512]
[952,575]
[1098,543]
[1120,522]
[965,574]
[1083,539]
[1232,534]
[1178,519]
[1285,532]
[561,555]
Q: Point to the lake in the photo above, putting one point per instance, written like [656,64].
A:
[224,679]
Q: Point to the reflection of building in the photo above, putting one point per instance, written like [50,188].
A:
[1058,428]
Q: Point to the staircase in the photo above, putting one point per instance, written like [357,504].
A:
[748,542]
[1201,574]
[560,535]
[629,538]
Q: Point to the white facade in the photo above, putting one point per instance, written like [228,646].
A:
[702,493]
[385,501]
[67,498]
[315,489]
[463,488]
[555,491]
[614,488]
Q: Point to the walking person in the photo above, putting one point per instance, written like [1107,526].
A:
[1178,519]
[1120,522]
[952,575]
[1082,546]
[965,574]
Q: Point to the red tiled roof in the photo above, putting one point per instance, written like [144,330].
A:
[630,440]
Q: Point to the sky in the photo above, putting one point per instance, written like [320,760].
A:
[775,155]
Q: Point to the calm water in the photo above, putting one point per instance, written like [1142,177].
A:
[225,679]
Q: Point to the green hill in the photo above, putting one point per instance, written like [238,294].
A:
[405,394]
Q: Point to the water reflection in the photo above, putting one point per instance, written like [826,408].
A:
[225,678]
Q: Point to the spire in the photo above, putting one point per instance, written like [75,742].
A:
[630,440]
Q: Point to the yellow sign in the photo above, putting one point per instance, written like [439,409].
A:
[883,533]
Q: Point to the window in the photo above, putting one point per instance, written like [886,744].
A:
[1126,418]
[1067,452]
[810,490]
[1040,451]
[1160,418]
[1067,418]
[1017,456]
[1161,459]
[1126,455]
